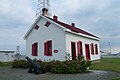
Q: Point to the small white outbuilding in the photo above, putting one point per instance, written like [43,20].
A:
[50,39]
[7,56]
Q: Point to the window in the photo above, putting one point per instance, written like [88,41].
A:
[35,49]
[48,48]
[92,48]
[36,27]
[47,24]
[79,47]
[96,49]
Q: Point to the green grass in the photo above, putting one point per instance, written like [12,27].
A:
[116,78]
[3,64]
[110,64]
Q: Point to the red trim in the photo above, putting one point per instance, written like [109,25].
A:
[87,49]
[49,43]
[81,51]
[78,48]
[45,48]
[47,24]
[35,49]
[73,50]
[92,48]
[32,49]
[56,51]
[48,48]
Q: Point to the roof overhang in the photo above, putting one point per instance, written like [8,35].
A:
[83,35]
[7,51]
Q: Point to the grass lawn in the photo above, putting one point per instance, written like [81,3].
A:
[110,64]
[3,64]
[116,79]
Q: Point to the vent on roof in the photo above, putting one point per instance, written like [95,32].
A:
[73,24]
[55,18]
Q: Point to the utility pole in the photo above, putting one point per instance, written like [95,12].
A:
[17,55]
[110,47]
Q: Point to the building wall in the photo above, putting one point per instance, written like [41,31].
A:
[54,33]
[75,38]
[6,57]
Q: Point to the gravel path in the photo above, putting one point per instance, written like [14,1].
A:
[7,73]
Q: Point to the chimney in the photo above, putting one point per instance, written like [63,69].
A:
[73,24]
[45,12]
[55,18]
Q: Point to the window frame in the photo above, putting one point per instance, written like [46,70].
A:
[48,48]
[35,49]
[47,24]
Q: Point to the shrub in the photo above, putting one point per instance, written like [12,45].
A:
[70,66]
[0,62]
[21,64]
[47,66]
[57,67]
[61,67]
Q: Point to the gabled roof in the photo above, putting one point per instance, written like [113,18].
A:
[74,29]
[66,26]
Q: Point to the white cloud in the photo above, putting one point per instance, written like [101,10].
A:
[100,17]
[114,50]
[15,13]
[16,16]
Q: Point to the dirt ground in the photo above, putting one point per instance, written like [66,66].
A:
[7,73]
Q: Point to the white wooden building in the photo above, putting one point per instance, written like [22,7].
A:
[6,56]
[50,39]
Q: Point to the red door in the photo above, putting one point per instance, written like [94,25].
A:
[73,50]
[87,49]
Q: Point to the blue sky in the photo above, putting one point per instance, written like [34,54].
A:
[100,17]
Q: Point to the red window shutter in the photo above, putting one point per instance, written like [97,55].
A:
[81,51]
[35,49]
[78,48]
[75,51]
[92,48]
[32,49]
[49,48]
[96,49]
[47,24]
[45,48]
